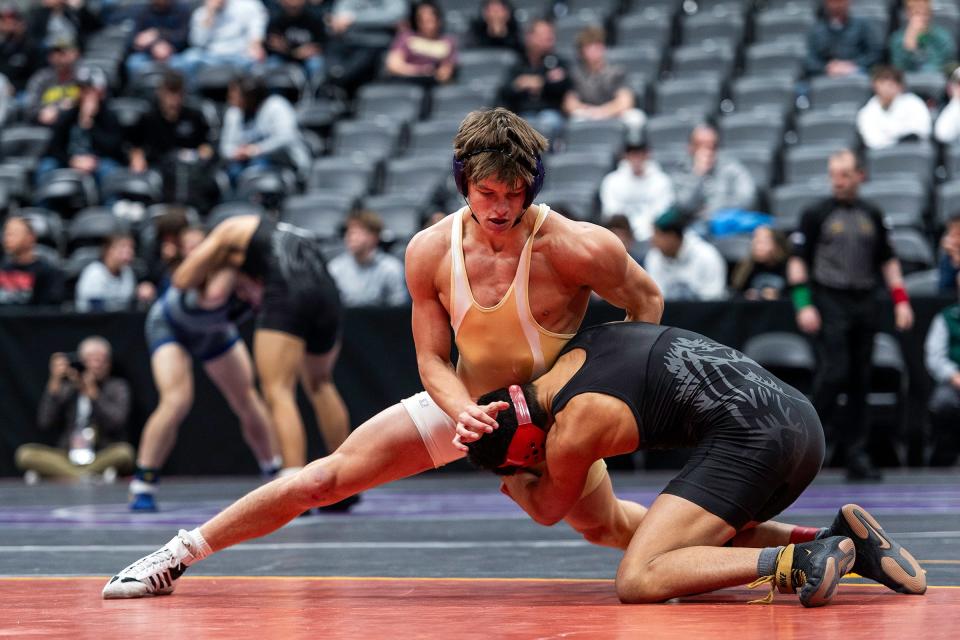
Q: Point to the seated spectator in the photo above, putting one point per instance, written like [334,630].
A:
[366,15]
[599,90]
[260,130]
[361,31]
[20,57]
[950,255]
[365,275]
[707,183]
[175,139]
[159,33]
[61,19]
[763,274]
[892,115]
[683,265]
[88,137]
[109,284]
[947,127]
[88,409]
[638,188]
[424,52]
[942,357]
[919,45]
[53,89]
[224,32]
[496,27]
[539,81]
[25,278]
[296,34]
[840,44]
[619,225]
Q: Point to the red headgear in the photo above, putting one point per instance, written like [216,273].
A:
[526,446]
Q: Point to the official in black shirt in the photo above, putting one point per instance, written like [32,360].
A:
[841,253]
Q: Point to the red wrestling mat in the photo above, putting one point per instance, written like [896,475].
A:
[266,608]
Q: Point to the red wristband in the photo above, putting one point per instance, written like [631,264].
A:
[899,294]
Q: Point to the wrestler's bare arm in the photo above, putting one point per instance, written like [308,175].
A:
[218,288]
[224,246]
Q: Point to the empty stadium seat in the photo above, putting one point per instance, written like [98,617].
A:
[47,226]
[66,191]
[92,226]
[705,58]
[787,202]
[792,22]
[670,131]
[779,59]
[828,92]
[374,139]
[835,127]
[391,100]
[639,58]
[905,159]
[456,101]
[432,137]
[789,356]
[24,141]
[599,136]
[912,249]
[351,175]
[750,129]
[577,171]
[719,24]
[804,163]
[695,96]
[321,213]
[768,93]
[948,201]
[651,27]
[903,201]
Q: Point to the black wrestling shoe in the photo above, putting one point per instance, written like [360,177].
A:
[879,557]
[342,506]
[812,570]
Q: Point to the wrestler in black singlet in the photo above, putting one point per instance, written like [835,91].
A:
[757,441]
[299,296]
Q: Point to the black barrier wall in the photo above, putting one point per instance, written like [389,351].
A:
[377,367]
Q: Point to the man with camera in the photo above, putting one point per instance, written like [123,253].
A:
[88,410]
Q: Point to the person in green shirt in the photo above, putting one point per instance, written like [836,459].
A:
[920,45]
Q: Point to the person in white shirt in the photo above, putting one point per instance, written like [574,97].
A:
[684,265]
[109,284]
[365,275]
[892,115]
[638,188]
[947,128]
[224,32]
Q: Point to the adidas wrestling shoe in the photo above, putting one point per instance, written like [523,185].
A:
[812,570]
[155,574]
[879,557]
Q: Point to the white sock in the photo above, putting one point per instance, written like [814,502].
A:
[271,466]
[288,471]
[198,547]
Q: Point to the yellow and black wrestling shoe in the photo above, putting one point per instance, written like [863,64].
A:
[812,570]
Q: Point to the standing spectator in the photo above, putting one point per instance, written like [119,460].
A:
[365,275]
[763,274]
[260,130]
[160,32]
[53,89]
[89,409]
[599,90]
[947,128]
[683,265]
[840,44]
[892,115]
[424,52]
[539,82]
[942,356]
[496,27]
[61,19]
[25,278]
[707,183]
[840,253]
[109,284]
[950,255]
[20,56]
[919,45]
[88,137]
[638,188]
[296,34]
[224,32]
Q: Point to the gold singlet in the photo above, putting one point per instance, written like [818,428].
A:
[503,344]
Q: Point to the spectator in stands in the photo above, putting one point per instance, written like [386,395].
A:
[840,253]
[950,255]
[53,89]
[86,138]
[424,52]
[942,357]
[365,275]
[61,19]
[6,97]
[707,183]
[620,226]
[599,90]
[175,139]
[25,278]
[496,27]
[296,34]
[919,45]
[224,32]
[539,81]
[840,44]
[763,274]
[260,130]
[683,265]
[109,284]
[88,409]
[892,115]
[160,32]
[638,188]
[20,57]
[947,128]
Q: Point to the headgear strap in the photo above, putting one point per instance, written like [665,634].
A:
[526,446]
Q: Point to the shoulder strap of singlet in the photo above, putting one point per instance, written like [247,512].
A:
[460,299]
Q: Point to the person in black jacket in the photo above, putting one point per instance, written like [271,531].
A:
[496,27]
[26,278]
[55,18]
[160,31]
[296,34]
[19,56]
[840,253]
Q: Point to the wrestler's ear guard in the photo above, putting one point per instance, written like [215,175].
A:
[526,447]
